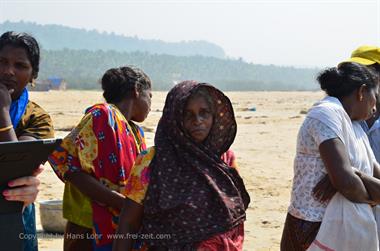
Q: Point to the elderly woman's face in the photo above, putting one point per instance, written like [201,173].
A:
[198,118]
[15,69]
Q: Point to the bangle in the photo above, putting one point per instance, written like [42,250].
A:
[3,129]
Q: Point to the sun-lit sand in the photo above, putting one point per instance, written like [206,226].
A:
[265,148]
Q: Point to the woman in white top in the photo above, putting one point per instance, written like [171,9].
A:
[333,154]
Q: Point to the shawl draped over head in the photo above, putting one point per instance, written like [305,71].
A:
[193,194]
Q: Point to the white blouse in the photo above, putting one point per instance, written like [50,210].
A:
[309,170]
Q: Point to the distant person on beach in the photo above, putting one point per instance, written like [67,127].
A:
[96,158]
[21,118]
[185,192]
[334,152]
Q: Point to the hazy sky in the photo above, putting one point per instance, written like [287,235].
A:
[282,32]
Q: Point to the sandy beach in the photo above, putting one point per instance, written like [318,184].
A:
[264,146]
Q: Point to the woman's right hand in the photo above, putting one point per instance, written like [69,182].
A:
[23,189]
[324,190]
[5,96]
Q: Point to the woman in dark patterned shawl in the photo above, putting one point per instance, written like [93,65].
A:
[185,192]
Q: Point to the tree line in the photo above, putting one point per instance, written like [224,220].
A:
[82,56]
[82,69]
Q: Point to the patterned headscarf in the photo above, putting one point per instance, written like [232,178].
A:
[193,194]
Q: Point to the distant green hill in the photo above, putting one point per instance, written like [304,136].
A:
[81,57]
[82,69]
[57,37]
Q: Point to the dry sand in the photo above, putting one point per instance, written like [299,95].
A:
[265,148]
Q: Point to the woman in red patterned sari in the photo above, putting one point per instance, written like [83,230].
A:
[95,159]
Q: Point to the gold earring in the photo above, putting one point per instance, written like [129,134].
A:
[33,83]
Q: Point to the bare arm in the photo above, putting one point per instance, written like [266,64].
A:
[324,190]
[376,170]
[5,119]
[92,188]
[372,184]
[340,172]
[129,223]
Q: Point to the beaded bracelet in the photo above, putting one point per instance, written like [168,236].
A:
[6,128]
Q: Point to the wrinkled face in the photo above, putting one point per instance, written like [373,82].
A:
[142,105]
[198,118]
[368,103]
[15,69]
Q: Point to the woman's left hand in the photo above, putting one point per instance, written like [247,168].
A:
[324,190]
[24,189]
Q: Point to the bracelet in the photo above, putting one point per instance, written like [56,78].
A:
[6,128]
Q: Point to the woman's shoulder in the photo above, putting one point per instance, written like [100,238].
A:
[33,109]
[136,128]
[98,109]
[33,105]
[145,157]
[142,162]
[100,113]
[230,153]
[139,177]
[229,158]
[327,108]
[35,122]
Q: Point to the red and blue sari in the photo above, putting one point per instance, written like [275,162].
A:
[104,145]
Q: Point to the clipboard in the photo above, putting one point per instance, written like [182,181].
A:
[19,159]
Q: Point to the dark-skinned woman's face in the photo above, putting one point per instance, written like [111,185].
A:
[198,118]
[142,105]
[15,69]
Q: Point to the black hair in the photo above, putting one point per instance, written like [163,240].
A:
[26,41]
[118,83]
[375,67]
[341,81]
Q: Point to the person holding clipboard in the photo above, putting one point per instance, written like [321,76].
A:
[21,119]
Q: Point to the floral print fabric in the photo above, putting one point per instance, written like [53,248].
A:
[139,178]
[104,145]
[137,186]
[309,170]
